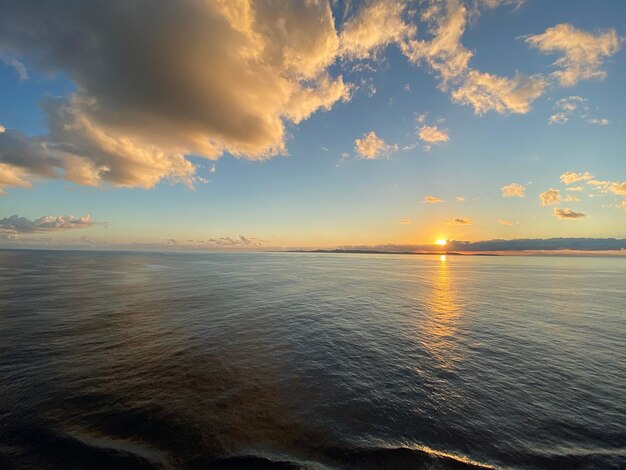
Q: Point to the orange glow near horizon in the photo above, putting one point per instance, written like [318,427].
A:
[441,242]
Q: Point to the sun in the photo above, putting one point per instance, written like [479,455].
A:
[441,242]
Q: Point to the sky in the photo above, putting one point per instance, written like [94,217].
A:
[260,125]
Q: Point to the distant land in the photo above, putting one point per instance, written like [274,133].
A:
[381,252]
[529,246]
[521,246]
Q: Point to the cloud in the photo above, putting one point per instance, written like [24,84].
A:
[565,107]
[567,213]
[378,24]
[240,241]
[460,198]
[575,188]
[200,78]
[598,122]
[614,187]
[583,52]
[432,134]
[571,106]
[449,59]
[432,200]
[12,227]
[16,64]
[444,53]
[570,177]
[513,190]
[571,198]
[12,176]
[497,3]
[609,186]
[371,147]
[460,221]
[487,92]
[504,222]
[405,221]
[551,196]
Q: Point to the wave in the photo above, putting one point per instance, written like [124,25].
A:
[39,447]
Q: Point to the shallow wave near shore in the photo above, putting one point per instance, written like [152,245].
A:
[148,360]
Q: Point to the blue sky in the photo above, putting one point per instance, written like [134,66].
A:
[304,180]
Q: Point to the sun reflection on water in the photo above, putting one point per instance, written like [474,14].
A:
[442,323]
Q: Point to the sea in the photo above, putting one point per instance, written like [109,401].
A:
[124,360]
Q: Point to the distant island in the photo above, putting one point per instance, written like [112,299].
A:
[383,252]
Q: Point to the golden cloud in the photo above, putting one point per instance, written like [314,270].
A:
[551,196]
[583,52]
[513,190]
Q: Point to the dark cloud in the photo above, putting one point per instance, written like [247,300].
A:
[460,221]
[157,80]
[567,213]
[12,227]
[234,242]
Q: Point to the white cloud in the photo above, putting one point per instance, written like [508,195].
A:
[432,200]
[371,147]
[583,52]
[598,122]
[16,64]
[513,190]
[570,177]
[567,214]
[551,196]
[566,108]
[497,3]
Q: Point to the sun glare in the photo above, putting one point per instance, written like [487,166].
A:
[441,242]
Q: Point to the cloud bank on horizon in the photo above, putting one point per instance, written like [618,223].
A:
[32,233]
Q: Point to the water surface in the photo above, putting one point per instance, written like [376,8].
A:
[186,360]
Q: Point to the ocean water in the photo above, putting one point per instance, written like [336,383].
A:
[286,360]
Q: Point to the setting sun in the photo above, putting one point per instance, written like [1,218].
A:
[441,242]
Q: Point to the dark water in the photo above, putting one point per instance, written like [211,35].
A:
[135,360]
